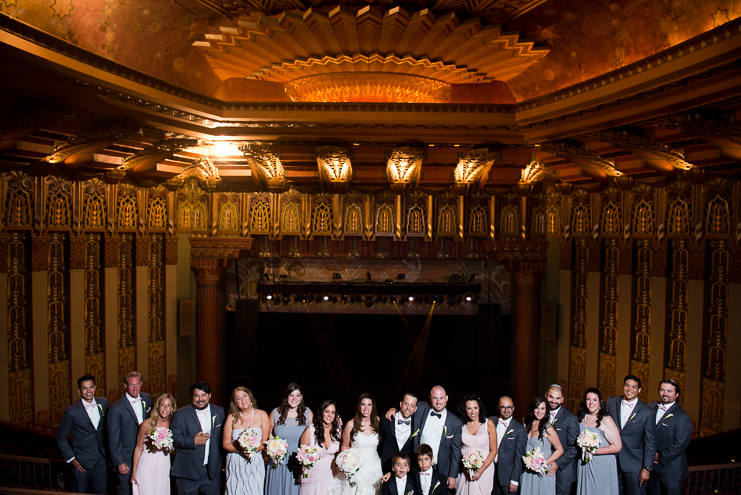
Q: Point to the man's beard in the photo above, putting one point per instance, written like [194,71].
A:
[201,408]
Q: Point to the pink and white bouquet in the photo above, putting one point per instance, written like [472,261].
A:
[535,462]
[473,460]
[589,442]
[162,439]
[349,462]
[277,449]
[308,457]
[249,440]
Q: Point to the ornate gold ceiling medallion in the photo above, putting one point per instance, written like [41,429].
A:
[402,169]
[470,170]
[266,166]
[367,87]
[335,169]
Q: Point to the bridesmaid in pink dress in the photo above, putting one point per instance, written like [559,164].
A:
[324,433]
[150,472]
[478,433]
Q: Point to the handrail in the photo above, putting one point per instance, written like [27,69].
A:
[709,467]
[720,479]
[20,458]
[32,473]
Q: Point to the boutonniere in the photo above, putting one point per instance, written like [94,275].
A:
[101,409]
[445,429]
[144,405]
[410,492]
[510,431]
[668,416]
[554,421]
[213,421]
[435,487]
[630,419]
[415,433]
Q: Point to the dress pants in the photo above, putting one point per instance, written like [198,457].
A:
[124,481]
[202,486]
[97,475]
[658,485]
[499,489]
[564,488]
[629,483]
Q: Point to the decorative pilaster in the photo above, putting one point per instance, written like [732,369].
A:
[208,257]
[527,261]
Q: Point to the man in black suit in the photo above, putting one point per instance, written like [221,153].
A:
[636,422]
[85,421]
[567,429]
[673,430]
[512,442]
[127,413]
[397,434]
[196,433]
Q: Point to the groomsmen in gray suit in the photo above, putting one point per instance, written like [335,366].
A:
[673,430]
[567,429]
[127,413]
[512,442]
[196,433]
[85,421]
[636,422]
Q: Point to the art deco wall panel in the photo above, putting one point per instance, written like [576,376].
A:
[609,317]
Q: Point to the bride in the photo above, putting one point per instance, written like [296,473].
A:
[361,434]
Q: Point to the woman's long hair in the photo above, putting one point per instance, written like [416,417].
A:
[357,422]
[462,410]
[234,408]
[155,414]
[284,407]
[335,431]
[583,411]
[530,418]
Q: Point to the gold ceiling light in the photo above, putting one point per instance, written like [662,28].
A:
[470,169]
[370,86]
[266,166]
[532,176]
[335,169]
[403,168]
[205,171]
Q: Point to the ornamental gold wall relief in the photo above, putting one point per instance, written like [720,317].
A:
[156,315]
[609,318]
[59,335]
[93,301]
[640,332]
[126,306]
[20,379]
[579,305]
[675,347]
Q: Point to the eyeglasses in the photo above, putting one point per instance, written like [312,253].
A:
[507,408]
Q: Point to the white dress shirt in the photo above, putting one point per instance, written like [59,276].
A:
[425,479]
[403,431]
[433,432]
[553,414]
[137,405]
[661,410]
[626,409]
[401,485]
[204,417]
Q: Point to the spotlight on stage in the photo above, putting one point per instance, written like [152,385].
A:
[344,298]
[411,298]
[269,297]
[393,299]
[303,298]
[326,297]
[469,297]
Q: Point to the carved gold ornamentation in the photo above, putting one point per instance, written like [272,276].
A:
[609,326]
[384,214]
[415,206]
[640,341]
[95,208]
[354,219]
[678,209]
[403,168]
[266,166]
[156,318]
[643,211]
[59,362]
[128,207]
[715,341]
[676,332]
[19,202]
[59,202]
[372,86]
[193,208]
[647,147]
[582,157]
[229,213]
[611,217]
[447,215]
[478,214]
[321,215]
[260,214]
[157,214]
[290,215]
[324,251]
[293,250]
[126,307]
[470,169]
[509,215]
[353,251]
[335,168]
[94,334]
[578,340]
[581,218]
[718,201]
[20,382]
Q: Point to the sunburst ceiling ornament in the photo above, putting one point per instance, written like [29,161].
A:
[471,168]
[369,87]
[335,169]
[402,169]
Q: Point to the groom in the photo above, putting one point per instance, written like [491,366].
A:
[397,434]
[196,433]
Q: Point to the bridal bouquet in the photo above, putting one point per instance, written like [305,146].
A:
[162,439]
[589,442]
[349,462]
[473,460]
[249,440]
[535,462]
[277,449]
[307,457]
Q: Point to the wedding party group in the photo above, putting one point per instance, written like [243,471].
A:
[617,446]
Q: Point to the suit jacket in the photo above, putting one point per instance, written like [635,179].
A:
[123,428]
[449,450]
[567,429]
[88,442]
[437,477]
[390,488]
[672,434]
[189,458]
[511,449]
[389,446]
[639,447]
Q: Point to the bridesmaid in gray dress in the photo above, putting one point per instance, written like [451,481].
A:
[599,475]
[288,421]
[541,434]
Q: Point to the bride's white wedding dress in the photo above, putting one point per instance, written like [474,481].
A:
[368,478]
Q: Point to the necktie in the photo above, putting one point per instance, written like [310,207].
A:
[663,407]
[90,405]
[400,422]
[437,415]
[627,404]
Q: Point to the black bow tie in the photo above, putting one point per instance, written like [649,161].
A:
[437,415]
[404,422]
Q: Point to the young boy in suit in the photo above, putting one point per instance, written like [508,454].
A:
[427,479]
[400,483]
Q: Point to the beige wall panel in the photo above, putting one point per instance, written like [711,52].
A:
[39,319]
[171,318]
[695,323]
[658,333]
[142,322]
[77,326]
[564,318]
[625,302]
[4,390]
[593,307]
[111,331]
[732,412]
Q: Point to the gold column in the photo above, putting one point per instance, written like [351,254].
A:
[39,320]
